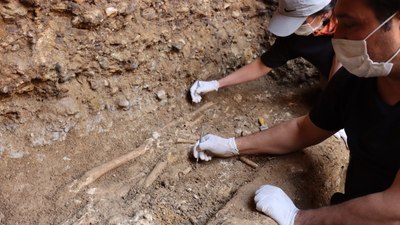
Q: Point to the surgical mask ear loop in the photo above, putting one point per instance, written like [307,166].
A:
[379,27]
[395,54]
[312,21]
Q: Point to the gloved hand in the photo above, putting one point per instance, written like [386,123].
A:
[202,87]
[275,203]
[212,145]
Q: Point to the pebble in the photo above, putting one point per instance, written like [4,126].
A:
[183,208]
[235,14]
[63,77]
[123,103]
[103,62]
[89,19]
[16,155]
[111,11]
[193,220]
[149,14]
[68,106]
[126,8]
[238,98]
[156,135]
[114,90]
[238,131]
[91,191]
[94,84]
[161,95]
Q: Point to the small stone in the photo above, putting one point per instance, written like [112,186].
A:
[68,106]
[183,9]
[238,98]
[16,154]
[183,208]
[94,85]
[114,90]
[126,8]
[89,19]
[111,11]
[161,95]
[178,45]
[91,191]
[264,127]
[246,132]
[156,135]
[238,131]
[65,76]
[193,220]
[103,62]
[235,14]
[149,14]
[123,103]
[15,47]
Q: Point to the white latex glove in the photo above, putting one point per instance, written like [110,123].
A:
[342,134]
[212,145]
[275,203]
[202,87]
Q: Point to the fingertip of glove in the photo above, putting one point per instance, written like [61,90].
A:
[196,99]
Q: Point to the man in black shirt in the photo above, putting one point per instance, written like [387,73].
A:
[303,29]
[364,99]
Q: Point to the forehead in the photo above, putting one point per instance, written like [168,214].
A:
[354,10]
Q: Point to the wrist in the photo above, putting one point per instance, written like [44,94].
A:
[233,146]
[216,84]
[298,218]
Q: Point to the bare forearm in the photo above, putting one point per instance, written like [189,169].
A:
[247,73]
[379,208]
[284,138]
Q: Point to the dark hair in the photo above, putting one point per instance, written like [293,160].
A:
[327,8]
[383,9]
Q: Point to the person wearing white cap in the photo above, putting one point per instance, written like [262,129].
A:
[363,98]
[292,14]
[304,28]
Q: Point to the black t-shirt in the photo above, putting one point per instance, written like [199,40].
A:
[315,49]
[372,127]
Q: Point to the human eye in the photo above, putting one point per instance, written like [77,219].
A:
[345,23]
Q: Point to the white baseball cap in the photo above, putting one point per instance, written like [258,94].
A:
[291,14]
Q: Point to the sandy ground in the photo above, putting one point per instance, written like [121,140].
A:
[96,126]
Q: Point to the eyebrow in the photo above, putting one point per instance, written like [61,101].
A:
[344,16]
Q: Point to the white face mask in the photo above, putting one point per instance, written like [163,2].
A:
[307,29]
[354,56]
